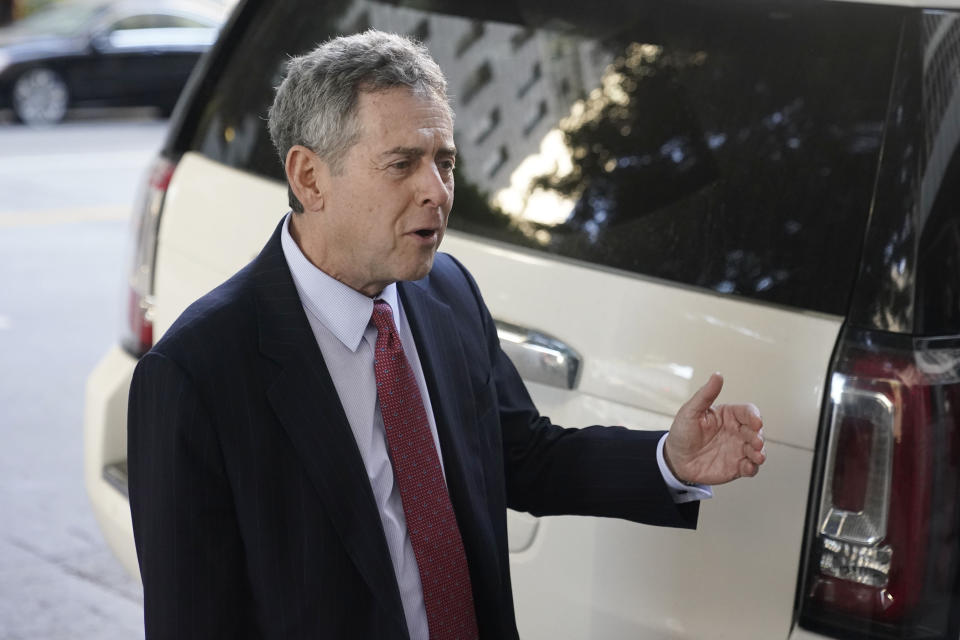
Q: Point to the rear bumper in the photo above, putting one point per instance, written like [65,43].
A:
[105,451]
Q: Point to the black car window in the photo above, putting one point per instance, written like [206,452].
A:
[731,149]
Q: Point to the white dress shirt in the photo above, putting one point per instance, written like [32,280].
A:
[340,319]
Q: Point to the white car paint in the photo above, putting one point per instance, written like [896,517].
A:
[105,442]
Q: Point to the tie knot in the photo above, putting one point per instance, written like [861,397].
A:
[383,316]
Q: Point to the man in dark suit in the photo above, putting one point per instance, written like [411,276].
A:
[325,446]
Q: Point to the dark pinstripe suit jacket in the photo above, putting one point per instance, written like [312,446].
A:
[252,511]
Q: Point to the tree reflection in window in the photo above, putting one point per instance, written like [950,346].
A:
[698,160]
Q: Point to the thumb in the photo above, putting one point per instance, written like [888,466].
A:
[705,395]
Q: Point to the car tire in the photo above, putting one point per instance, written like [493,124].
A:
[40,97]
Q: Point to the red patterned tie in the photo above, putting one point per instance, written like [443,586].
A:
[434,535]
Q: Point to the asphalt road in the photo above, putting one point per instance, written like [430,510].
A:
[65,198]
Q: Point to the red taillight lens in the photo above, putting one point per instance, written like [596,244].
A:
[883,546]
[138,326]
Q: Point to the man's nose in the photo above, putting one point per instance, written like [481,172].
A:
[432,190]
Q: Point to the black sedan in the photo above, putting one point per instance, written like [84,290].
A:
[103,53]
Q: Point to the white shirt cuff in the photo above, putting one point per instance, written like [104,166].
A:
[678,491]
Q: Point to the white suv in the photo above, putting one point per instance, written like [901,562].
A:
[647,191]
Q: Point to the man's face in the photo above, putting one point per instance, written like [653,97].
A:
[383,216]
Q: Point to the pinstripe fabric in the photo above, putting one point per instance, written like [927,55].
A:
[340,319]
[252,510]
[202,610]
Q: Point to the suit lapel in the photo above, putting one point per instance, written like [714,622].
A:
[448,381]
[306,403]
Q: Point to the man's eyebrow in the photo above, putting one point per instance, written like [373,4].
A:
[416,152]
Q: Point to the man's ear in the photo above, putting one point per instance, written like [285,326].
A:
[305,176]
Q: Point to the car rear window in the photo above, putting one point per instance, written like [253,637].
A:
[731,149]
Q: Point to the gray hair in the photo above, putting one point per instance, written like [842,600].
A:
[316,104]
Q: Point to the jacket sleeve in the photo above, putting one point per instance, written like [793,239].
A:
[188,543]
[597,470]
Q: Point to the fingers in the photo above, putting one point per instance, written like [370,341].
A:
[751,437]
[705,395]
[756,456]
[747,414]
[748,469]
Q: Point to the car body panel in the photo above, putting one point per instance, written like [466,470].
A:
[649,582]
[650,344]
[23,48]
[105,442]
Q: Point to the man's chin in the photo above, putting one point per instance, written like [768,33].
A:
[421,270]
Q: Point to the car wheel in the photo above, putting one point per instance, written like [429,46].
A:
[40,97]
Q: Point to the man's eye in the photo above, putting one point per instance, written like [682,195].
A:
[403,165]
[447,165]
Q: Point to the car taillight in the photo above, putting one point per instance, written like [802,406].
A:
[137,335]
[884,538]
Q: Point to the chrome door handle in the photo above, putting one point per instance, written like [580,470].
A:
[539,357]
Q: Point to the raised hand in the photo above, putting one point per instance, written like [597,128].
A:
[714,444]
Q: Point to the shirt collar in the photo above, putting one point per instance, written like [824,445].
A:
[344,311]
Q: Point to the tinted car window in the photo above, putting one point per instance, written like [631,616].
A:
[729,149]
